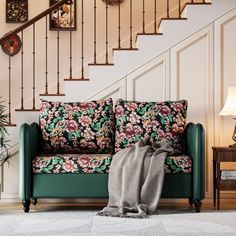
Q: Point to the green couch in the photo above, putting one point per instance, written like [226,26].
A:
[77,185]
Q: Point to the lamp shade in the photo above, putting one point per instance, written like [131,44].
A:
[229,108]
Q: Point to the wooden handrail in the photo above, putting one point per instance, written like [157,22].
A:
[33,20]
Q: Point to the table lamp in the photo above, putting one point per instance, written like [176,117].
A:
[229,109]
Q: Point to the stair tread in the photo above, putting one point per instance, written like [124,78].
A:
[101,64]
[148,34]
[198,3]
[26,110]
[10,125]
[195,3]
[125,49]
[52,94]
[81,79]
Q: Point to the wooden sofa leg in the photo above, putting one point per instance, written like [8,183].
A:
[197,205]
[26,205]
[34,201]
[190,201]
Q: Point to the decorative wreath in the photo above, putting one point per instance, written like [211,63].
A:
[113,2]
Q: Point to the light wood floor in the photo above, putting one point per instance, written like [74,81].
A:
[207,205]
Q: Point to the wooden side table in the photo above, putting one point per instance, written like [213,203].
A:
[222,154]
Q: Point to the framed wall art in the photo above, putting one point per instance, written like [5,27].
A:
[16,11]
[62,18]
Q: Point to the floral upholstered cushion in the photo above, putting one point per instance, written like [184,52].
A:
[161,121]
[96,163]
[178,164]
[81,127]
[73,163]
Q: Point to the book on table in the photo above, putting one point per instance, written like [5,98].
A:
[228,174]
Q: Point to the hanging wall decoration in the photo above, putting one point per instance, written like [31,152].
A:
[64,17]
[11,46]
[113,2]
[16,11]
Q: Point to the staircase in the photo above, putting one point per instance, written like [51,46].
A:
[126,56]
[97,73]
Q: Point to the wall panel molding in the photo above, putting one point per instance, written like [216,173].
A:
[115,91]
[192,79]
[150,82]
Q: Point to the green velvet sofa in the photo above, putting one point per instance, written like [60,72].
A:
[34,186]
[68,154]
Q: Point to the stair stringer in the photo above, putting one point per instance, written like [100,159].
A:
[126,62]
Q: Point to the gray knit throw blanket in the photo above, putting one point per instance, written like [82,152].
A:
[136,179]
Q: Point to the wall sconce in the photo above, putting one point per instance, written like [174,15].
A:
[229,109]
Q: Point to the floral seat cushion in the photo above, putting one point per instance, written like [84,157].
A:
[81,127]
[161,121]
[72,163]
[97,163]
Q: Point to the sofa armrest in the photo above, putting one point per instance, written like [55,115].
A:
[195,141]
[29,146]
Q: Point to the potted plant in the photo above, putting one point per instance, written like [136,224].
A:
[5,155]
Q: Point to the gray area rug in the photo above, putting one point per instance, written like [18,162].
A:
[84,222]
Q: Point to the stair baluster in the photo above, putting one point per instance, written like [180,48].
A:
[95,31]
[106,62]
[82,40]
[179,8]
[155,16]
[34,83]
[71,69]
[131,24]
[58,54]
[144,17]
[119,27]
[9,91]
[46,56]
[168,9]
[22,70]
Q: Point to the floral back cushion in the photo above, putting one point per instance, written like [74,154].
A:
[81,127]
[161,121]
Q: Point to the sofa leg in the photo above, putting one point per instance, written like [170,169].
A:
[34,201]
[197,205]
[26,205]
[190,201]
